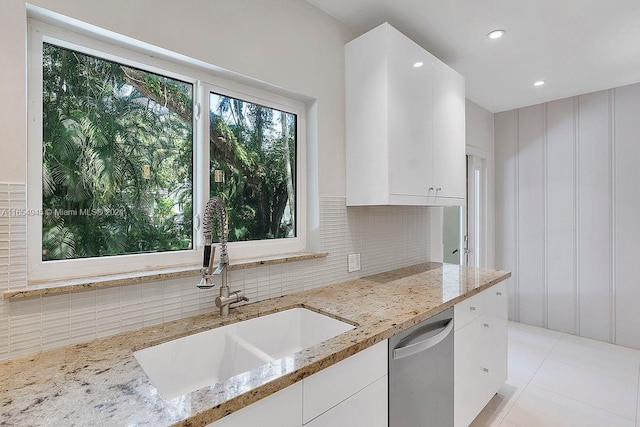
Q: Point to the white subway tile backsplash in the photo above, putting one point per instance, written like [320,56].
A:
[206,301]
[131,318]
[108,312]
[172,299]
[55,311]
[386,238]
[82,310]
[4,341]
[25,327]
[190,298]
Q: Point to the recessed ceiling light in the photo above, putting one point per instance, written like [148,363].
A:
[539,83]
[418,64]
[496,34]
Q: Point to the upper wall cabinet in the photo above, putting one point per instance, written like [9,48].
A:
[405,123]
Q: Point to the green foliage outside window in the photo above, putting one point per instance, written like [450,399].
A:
[253,152]
[117,170]
[117,158]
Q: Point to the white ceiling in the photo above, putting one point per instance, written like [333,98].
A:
[576,46]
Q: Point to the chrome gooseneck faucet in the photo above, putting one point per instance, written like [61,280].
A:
[215,206]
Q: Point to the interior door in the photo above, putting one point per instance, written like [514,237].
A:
[476,220]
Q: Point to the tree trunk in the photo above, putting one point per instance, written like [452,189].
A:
[287,163]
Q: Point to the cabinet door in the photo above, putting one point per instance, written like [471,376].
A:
[449,164]
[329,387]
[281,409]
[367,408]
[480,356]
[366,116]
[410,118]
[469,383]
[468,310]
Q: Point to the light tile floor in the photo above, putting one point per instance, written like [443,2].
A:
[557,379]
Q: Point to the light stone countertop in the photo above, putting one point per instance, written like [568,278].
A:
[101,384]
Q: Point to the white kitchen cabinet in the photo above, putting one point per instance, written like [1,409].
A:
[468,310]
[405,125]
[340,383]
[342,391]
[449,165]
[366,408]
[281,409]
[480,352]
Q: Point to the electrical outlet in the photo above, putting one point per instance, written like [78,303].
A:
[354,262]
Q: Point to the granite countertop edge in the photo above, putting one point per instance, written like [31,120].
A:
[127,397]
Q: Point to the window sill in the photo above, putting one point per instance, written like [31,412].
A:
[38,289]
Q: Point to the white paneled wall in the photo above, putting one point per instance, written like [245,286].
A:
[568,213]
[386,237]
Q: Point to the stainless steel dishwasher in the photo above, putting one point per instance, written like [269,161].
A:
[421,374]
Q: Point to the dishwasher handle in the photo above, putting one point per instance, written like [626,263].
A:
[411,349]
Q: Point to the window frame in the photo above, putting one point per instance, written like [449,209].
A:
[258,248]
[205,79]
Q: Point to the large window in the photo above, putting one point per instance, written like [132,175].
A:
[123,157]
[117,166]
[253,152]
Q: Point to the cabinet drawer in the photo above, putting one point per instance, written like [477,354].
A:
[327,388]
[496,364]
[496,301]
[367,408]
[468,310]
[281,409]
[480,352]
[492,330]
[469,385]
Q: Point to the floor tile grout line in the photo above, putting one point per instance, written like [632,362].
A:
[583,403]
[564,335]
[527,383]
[545,359]
[613,348]
[506,414]
[576,400]
[592,371]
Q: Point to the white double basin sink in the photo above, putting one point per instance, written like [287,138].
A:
[187,364]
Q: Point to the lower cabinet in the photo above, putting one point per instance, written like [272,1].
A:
[480,352]
[281,409]
[366,408]
[352,393]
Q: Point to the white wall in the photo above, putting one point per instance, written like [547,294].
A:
[567,211]
[479,127]
[480,142]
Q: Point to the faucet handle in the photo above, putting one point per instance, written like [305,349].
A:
[233,298]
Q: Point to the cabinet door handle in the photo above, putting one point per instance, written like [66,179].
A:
[439,189]
[472,308]
[499,294]
[485,369]
[486,325]
[431,188]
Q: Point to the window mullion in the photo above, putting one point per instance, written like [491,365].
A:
[201,159]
